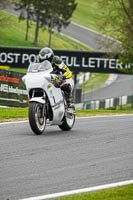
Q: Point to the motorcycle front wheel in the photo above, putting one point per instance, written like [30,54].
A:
[37,119]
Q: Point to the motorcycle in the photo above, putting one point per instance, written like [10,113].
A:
[47,102]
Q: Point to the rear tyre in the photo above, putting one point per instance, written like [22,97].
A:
[37,119]
[68,121]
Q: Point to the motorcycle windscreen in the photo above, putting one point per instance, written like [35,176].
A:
[39,67]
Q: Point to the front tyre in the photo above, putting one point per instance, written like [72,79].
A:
[68,121]
[37,118]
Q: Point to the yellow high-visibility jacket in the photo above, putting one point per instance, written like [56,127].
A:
[59,66]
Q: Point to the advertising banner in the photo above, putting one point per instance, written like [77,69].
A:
[78,61]
[12,89]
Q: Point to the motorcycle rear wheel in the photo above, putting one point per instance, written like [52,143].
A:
[36,120]
[68,122]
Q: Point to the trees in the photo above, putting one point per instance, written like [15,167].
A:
[58,15]
[117,21]
[31,10]
[3,5]
[49,13]
[40,8]
[53,15]
[25,13]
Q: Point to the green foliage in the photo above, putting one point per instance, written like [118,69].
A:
[13,35]
[88,14]
[96,81]
[46,13]
[3,20]
[117,21]
[57,15]
[4,3]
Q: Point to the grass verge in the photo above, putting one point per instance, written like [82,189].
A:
[12,113]
[88,13]
[12,33]
[95,82]
[119,193]
[87,113]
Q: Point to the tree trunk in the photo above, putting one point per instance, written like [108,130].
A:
[50,32]
[27,27]
[36,31]
[50,38]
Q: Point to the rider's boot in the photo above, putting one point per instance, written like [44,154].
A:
[70,100]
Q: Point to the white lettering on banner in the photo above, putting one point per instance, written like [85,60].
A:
[24,57]
[4,88]
[112,63]
[72,61]
[83,62]
[105,60]
[104,63]
[30,58]
[18,58]
[128,66]
[9,57]
[98,62]
[120,65]
[3,57]
[91,63]
[9,89]
[64,58]
[75,62]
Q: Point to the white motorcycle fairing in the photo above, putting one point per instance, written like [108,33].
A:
[47,103]
[42,80]
[38,99]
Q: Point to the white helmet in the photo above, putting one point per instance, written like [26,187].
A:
[46,54]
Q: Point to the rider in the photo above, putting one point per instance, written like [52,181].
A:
[61,69]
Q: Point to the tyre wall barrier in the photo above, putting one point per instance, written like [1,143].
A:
[12,89]
[105,103]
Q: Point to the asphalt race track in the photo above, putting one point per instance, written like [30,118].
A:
[122,86]
[99,150]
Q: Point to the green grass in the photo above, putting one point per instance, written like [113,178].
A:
[21,70]
[12,33]
[119,193]
[9,114]
[88,14]
[15,113]
[86,113]
[95,82]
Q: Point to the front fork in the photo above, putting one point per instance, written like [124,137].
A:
[43,111]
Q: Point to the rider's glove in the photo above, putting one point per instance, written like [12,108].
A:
[58,80]
[57,84]
[61,78]
[55,79]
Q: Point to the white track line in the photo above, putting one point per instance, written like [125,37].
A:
[106,116]
[79,191]
[13,122]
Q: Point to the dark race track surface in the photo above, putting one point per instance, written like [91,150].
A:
[97,151]
[122,86]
